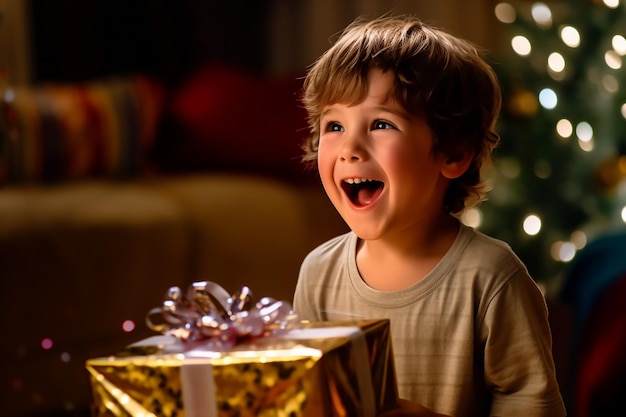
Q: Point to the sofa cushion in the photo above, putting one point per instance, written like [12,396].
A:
[60,132]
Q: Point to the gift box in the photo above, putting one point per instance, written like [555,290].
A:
[303,370]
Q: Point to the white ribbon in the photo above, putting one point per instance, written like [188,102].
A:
[198,389]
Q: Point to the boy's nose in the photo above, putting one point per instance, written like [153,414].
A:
[352,149]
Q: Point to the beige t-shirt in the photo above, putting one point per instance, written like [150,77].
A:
[470,339]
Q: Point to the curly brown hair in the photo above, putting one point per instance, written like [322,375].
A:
[437,76]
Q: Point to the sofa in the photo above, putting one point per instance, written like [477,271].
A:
[114,190]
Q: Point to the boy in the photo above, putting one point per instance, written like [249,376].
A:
[402,123]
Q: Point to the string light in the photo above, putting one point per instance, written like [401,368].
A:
[612,59]
[610,83]
[505,13]
[579,239]
[586,146]
[563,251]
[567,252]
[612,4]
[584,132]
[532,224]
[570,36]
[618,42]
[596,77]
[556,62]
[548,98]
[521,45]
[128,326]
[46,343]
[564,128]
[472,217]
[542,15]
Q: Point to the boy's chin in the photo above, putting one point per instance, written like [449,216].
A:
[366,232]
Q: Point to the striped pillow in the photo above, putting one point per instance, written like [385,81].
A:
[59,132]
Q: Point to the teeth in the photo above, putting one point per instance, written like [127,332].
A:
[356,180]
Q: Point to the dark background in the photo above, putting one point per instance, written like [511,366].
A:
[80,40]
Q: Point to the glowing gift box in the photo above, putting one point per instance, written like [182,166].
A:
[308,369]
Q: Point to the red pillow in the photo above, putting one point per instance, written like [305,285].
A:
[235,120]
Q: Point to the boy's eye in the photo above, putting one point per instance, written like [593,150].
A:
[381,124]
[333,127]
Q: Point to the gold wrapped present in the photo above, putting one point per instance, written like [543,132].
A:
[225,356]
[328,369]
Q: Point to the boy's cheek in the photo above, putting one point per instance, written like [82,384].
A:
[325,159]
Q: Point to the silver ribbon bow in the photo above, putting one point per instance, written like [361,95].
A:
[208,312]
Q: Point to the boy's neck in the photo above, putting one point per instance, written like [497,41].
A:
[391,264]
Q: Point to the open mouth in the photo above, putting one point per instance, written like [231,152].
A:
[362,191]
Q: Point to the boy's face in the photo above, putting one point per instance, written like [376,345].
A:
[377,166]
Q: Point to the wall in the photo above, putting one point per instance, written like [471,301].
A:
[67,40]
[15,40]
[301,30]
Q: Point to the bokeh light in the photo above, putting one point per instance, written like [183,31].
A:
[570,36]
[509,167]
[584,131]
[521,45]
[556,62]
[563,251]
[505,13]
[532,224]
[612,59]
[610,83]
[128,326]
[618,42]
[579,239]
[548,98]
[541,14]
[46,343]
[564,128]
[472,217]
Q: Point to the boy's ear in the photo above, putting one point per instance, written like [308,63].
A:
[455,166]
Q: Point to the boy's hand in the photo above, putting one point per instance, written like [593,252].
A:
[408,408]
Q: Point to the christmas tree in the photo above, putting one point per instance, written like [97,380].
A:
[560,172]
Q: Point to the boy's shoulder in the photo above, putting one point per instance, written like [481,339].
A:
[335,243]
[332,248]
[486,251]
[484,241]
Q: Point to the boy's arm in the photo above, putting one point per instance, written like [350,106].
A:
[303,304]
[518,352]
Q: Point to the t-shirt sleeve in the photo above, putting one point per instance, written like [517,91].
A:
[519,367]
